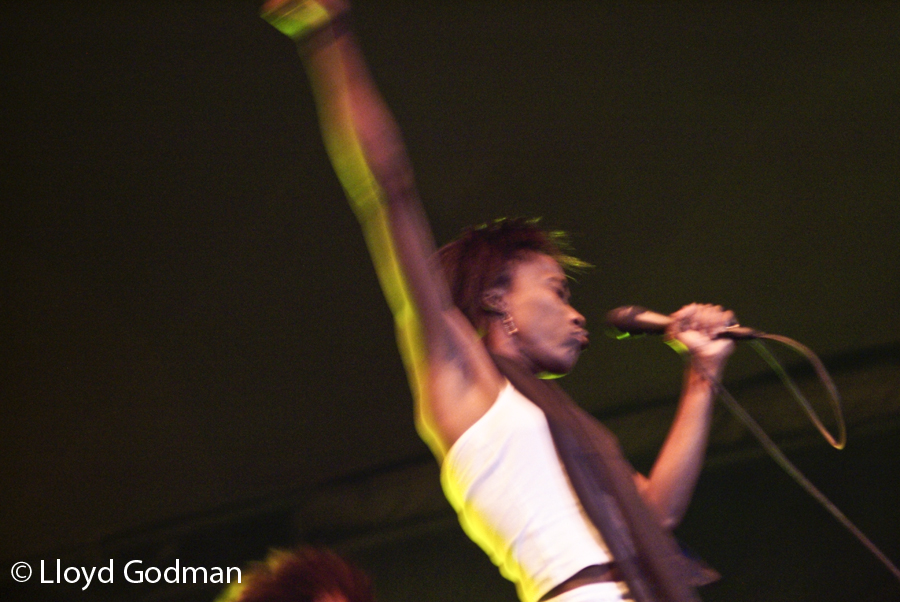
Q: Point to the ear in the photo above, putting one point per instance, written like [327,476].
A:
[493,301]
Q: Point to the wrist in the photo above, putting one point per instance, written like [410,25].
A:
[705,369]
[705,357]
[301,20]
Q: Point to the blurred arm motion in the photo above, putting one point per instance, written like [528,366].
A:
[452,377]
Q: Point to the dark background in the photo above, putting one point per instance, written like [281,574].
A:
[197,361]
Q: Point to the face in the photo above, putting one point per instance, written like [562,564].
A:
[551,333]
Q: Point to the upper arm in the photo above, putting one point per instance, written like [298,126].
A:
[451,375]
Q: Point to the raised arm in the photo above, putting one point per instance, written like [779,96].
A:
[450,373]
[670,485]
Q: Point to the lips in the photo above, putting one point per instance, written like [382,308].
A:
[582,339]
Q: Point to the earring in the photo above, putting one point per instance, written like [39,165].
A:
[509,325]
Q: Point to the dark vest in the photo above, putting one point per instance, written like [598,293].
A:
[646,554]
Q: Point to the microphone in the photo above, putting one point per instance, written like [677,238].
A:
[634,319]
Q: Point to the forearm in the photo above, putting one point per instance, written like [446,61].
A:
[694,331]
[360,134]
[670,485]
[369,157]
[366,150]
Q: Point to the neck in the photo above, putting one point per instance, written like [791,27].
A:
[502,344]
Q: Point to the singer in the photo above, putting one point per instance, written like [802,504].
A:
[539,484]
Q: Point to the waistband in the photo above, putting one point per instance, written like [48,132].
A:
[596,573]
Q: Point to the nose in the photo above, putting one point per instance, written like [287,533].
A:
[578,319]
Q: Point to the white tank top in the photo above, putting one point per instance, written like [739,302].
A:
[508,486]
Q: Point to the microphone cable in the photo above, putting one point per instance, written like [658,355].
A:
[824,377]
[775,452]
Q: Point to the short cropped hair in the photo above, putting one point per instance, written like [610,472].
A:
[304,574]
[481,258]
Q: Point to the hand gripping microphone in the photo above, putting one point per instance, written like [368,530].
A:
[634,319]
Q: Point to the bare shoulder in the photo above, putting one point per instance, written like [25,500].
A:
[461,384]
